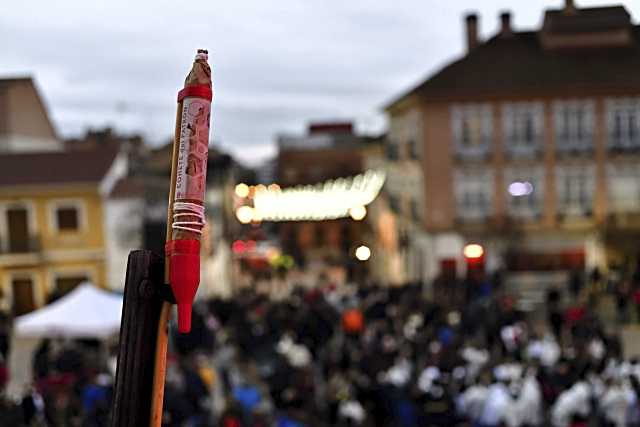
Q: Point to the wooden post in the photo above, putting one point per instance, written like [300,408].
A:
[144,295]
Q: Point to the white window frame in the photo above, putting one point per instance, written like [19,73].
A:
[530,206]
[482,115]
[473,182]
[515,116]
[574,124]
[78,204]
[404,129]
[627,107]
[630,200]
[570,177]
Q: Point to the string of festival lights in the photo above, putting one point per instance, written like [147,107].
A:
[333,199]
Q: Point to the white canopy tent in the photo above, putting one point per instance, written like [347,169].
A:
[85,312]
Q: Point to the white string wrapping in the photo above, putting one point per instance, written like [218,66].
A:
[185,209]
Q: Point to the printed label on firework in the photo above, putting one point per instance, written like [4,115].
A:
[193,149]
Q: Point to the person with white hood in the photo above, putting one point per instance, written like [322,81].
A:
[527,408]
[575,401]
[545,349]
[472,400]
[497,406]
[615,402]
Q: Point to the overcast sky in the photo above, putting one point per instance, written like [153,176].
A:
[277,64]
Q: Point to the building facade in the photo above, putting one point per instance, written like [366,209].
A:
[531,144]
[51,223]
[406,198]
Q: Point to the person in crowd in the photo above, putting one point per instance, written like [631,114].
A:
[576,283]
[623,292]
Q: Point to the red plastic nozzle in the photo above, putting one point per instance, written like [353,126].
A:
[184,276]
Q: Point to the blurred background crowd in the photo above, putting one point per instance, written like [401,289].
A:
[369,356]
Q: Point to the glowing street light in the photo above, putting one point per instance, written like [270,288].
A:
[363,253]
[473,251]
[245,214]
[242,190]
[358,212]
[519,189]
[274,188]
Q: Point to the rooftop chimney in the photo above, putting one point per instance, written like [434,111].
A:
[471,21]
[505,24]
[569,7]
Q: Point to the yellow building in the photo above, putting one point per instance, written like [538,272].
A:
[51,222]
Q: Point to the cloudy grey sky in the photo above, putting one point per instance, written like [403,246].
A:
[277,64]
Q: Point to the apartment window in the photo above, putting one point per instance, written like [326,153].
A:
[473,202]
[67,215]
[574,125]
[472,131]
[67,219]
[575,188]
[393,152]
[414,153]
[474,194]
[523,125]
[18,229]
[623,184]
[525,190]
[623,123]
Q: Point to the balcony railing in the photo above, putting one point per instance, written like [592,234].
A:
[30,244]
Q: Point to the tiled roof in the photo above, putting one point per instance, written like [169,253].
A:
[519,64]
[127,187]
[82,166]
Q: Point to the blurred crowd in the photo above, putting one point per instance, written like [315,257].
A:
[379,356]
[72,386]
[367,356]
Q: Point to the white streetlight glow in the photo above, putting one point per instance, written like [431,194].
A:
[518,189]
[473,250]
[245,214]
[363,253]
[242,190]
[358,212]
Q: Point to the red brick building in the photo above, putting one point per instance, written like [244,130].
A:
[329,151]
[529,144]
